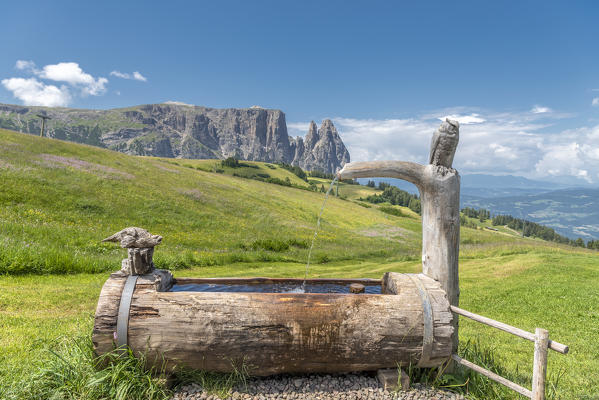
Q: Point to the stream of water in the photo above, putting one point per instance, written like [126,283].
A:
[326,196]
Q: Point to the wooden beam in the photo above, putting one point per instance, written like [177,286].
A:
[539,372]
[493,376]
[555,346]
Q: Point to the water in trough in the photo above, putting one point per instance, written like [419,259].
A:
[278,287]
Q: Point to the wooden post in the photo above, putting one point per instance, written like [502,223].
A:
[539,372]
[439,186]
[44,118]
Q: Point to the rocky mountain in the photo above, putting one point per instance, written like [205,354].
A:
[322,149]
[184,131]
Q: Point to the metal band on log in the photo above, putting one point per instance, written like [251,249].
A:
[275,333]
[122,322]
[427,321]
[437,322]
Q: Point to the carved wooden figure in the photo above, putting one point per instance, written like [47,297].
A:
[140,248]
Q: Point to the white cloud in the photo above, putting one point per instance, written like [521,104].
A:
[119,74]
[139,77]
[135,75]
[71,73]
[298,128]
[35,93]
[540,109]
[177,103]
[388,139]
[25,65]
[465,119]
[519,143]
[595,101]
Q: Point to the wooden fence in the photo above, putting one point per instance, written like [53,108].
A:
[542,344]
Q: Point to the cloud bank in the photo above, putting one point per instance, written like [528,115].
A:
[57,85]
[520,143]
[34,91]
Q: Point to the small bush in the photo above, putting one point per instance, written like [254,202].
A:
[275,245]
[322,175]
[302,244]
[230,162]
[391,210]
[270,245]
[300,173]
[323,259]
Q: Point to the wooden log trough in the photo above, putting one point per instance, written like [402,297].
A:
[409,322]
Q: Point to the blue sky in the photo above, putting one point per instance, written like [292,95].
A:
[521,76]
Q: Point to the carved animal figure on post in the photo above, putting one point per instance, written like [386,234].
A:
[444,143]
[140,248]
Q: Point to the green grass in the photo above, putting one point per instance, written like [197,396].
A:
[55,209]
[52,265]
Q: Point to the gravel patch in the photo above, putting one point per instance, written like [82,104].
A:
[317,387]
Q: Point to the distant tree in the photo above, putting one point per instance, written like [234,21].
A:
[319,174]
[371,184]
[230,162]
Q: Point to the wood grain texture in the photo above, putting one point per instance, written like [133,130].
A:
[539,371]
[275,333]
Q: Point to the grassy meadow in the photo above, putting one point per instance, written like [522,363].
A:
[59,199]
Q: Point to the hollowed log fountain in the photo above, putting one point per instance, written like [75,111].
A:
[219,324]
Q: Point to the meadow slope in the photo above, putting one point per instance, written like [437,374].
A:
[59,199]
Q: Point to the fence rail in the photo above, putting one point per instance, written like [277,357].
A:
[542,344]
[560,348]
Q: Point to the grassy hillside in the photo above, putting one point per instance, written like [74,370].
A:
[59,199]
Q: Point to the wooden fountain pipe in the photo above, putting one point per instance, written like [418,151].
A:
[439,187]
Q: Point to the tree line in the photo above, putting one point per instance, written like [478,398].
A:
[527,228]
[393,195]
[532,229]
[396,196]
